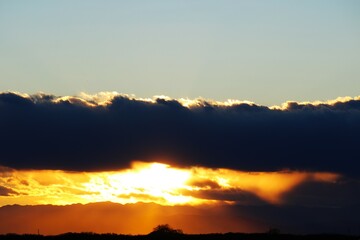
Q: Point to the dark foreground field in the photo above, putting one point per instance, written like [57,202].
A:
[226,236]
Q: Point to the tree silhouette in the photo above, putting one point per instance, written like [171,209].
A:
[164,230]
[274,231]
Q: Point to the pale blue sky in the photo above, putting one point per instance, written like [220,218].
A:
[264,51]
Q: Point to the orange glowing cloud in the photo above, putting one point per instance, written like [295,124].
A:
[150,182]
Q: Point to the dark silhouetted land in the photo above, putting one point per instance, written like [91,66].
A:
[213,236]
[164,231]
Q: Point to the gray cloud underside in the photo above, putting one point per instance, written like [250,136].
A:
[47,132]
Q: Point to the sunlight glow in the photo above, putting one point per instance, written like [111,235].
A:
[144,179]
[149,182]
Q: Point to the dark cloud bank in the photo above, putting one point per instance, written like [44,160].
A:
[38,132]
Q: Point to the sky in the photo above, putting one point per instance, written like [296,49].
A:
[179,112]
[303,51]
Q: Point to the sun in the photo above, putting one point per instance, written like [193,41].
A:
[154,177]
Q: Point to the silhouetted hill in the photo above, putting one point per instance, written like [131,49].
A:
[217,236]
[107,217]
[140,218]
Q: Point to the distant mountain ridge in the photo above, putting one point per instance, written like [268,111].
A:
[141,218]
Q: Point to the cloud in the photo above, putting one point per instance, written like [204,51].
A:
[6,191]
[324,194]
[108,130]
[159,183]
[234,195]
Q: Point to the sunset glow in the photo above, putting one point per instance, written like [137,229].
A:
[150,182]
[118,117]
